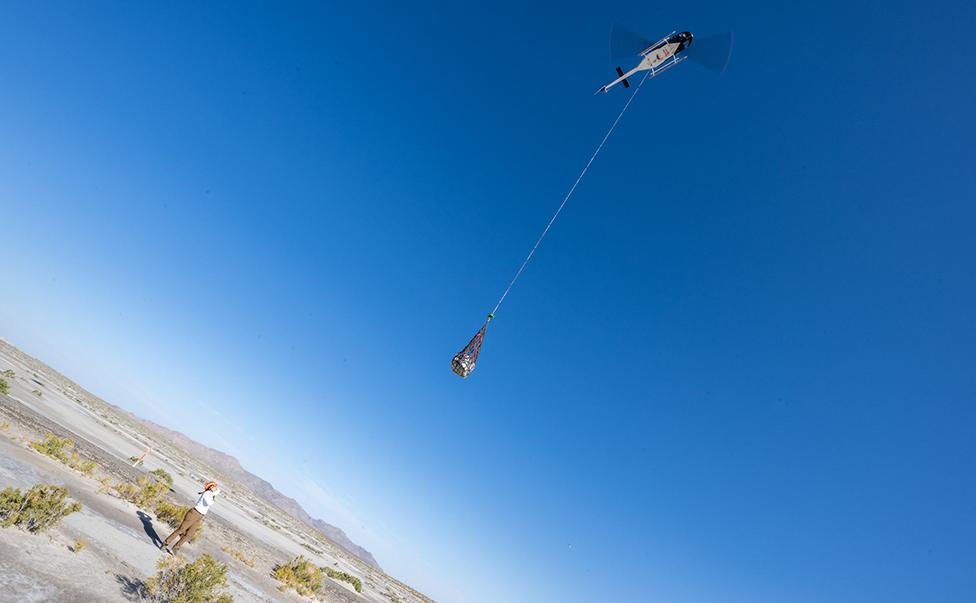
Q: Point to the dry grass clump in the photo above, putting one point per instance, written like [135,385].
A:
[302,575]
[5,425]
[178,581]
[40,508]
[78,546]
[61,449]
[105,485]
[239,555]
[4,387]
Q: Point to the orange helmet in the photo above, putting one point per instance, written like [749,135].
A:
[211,485]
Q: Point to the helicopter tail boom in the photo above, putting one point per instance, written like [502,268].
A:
[622,79]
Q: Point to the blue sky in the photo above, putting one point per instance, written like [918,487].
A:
[739,368]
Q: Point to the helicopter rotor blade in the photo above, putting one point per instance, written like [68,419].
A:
[625,43]
[712,52]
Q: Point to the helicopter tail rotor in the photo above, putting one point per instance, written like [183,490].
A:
[620,72]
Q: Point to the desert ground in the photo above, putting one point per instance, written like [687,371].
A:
[248,535]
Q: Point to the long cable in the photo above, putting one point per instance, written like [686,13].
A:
[568,195]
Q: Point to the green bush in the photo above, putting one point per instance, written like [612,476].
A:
[8,374]
[42,507]
[180,582]
[61,450]
[302,575]
[163,476]
[145,493]
[170,513]
[86,467]
[337,575]
[54,447]
[4,387]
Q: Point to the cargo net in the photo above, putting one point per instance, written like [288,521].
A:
[463,362]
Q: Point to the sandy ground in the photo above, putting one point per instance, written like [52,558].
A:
[121,550]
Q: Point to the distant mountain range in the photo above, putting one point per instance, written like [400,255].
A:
[232,468]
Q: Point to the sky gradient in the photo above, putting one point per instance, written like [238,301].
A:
[738,369]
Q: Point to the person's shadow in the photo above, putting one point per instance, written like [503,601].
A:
[133,589]
[147,525]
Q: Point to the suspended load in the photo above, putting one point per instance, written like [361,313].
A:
[463,362]
[712,52]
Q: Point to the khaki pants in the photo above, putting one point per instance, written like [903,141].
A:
[191,523]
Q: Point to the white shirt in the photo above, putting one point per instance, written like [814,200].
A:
[206,499]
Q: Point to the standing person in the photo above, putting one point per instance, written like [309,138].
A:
[193,518]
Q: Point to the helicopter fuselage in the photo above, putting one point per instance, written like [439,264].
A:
[657,57]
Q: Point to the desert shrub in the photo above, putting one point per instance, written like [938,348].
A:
[78,546]
[8,374]
[163,476]
[145,493]
[5,425]
[38,393]
[126,490]
[301,574]
[180,582]
[149,492]
[4,387]
[170,513]
[40,508]
[85,467]
[54,447]
[61,450]
[392,596]
[337,575]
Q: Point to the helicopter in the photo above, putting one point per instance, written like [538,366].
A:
[713,52]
